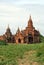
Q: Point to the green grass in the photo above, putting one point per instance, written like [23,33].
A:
[9,54]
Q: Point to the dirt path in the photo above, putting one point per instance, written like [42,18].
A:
[26,61]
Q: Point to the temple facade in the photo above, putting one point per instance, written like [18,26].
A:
[28,35]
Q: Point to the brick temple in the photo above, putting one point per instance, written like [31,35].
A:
[28,35]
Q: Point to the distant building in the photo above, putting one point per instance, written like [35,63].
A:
[29,35]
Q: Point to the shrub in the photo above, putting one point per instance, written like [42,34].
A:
[40,54]
[2,42]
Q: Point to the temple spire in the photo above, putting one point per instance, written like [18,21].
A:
[8,29]
[30,23]
[30,17]
[8,25]
[18,30]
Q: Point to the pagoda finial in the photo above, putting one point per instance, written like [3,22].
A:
[30,17]
[8,25]
[18,30]
[30,24]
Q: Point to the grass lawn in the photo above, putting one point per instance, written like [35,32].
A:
[22,54]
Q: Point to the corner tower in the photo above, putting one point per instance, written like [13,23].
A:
[8,35]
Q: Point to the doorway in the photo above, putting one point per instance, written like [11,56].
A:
[30,40]
[19,40]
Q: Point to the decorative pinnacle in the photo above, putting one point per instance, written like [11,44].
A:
[30,17]
[18,30]
[8,25]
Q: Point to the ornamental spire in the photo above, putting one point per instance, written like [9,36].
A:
[30,23]
[30,17]
[8,25]
[18,30]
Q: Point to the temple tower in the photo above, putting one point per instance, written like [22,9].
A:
[19,37]
[8,35]
[30,24]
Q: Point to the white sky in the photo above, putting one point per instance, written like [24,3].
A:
[16,13]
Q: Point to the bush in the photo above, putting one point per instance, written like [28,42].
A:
[40,54]
[2,42]
[41,38]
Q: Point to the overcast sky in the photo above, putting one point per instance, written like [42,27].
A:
[16,13]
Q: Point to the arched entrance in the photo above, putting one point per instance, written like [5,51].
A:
[19,40]
[30,38]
